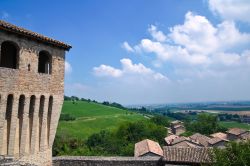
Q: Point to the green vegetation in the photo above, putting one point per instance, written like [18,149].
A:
[121,141]
[205,124]
[231,124]
[91,128]
[92,118]
[234,154]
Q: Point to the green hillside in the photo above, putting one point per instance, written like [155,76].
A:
[92,118]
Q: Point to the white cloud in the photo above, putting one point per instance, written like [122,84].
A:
[157,35]
[128,70]
[104,70]
[231,9]
[198,42]
[68,68]
[127,47]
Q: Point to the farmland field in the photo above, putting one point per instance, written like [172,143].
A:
[232,124]
[92,117]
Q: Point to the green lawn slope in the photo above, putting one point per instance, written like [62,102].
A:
[91,118]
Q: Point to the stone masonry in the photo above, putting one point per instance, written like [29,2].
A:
[31,94]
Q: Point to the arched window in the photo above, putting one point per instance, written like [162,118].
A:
[9,55]
[44,62]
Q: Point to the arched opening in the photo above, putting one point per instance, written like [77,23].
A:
[40,114]
[44,62]
[8,118]
[9,55]
[20,117]
[49,117]
[31,117]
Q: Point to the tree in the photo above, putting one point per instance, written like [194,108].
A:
[234,154]
[205,124]
[160,120]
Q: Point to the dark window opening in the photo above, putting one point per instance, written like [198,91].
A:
[20,116]
[40,114]
[31,117]
[49,117]
[9,55]
[8,118]
[44,62]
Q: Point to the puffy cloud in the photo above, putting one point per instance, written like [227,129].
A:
[127,47]
[105,70]
[198,42]
[231,9]
[157,35]
[128,69]
[68,68]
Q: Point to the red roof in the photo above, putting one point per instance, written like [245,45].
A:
[236,131]
[5,26]
[147,146]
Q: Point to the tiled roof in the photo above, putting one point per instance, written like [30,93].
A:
[147,146]
[245,136]
[219,135]
[187,155]
[215,140]
[202,139]
[176,122]
[32,35]
[186,143]
[178,126]
[170,138]
[236,131]
[179,139]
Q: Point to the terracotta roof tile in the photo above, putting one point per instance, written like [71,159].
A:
[186,143]
[245,136]
[170,138]
[147,146]
[187,154]
[202,139]
[5,26]
[219,135]
[236,131]
[215,140]
[176,122]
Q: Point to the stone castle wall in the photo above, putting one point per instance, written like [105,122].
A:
[107,161]
[28,123]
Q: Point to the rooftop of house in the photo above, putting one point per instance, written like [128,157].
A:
[176,122]
[202,139]
[179,139]
[178,126]
[147,146]
[236,131]
[215,140]
[170,138]
[5,26]
[219,135]
[186,143]
[245,136]
[187,154]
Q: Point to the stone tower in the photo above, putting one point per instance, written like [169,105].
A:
[31,94]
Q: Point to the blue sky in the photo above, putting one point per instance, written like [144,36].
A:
[146,51]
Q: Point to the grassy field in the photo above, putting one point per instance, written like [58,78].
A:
[92,117]
[232,124]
